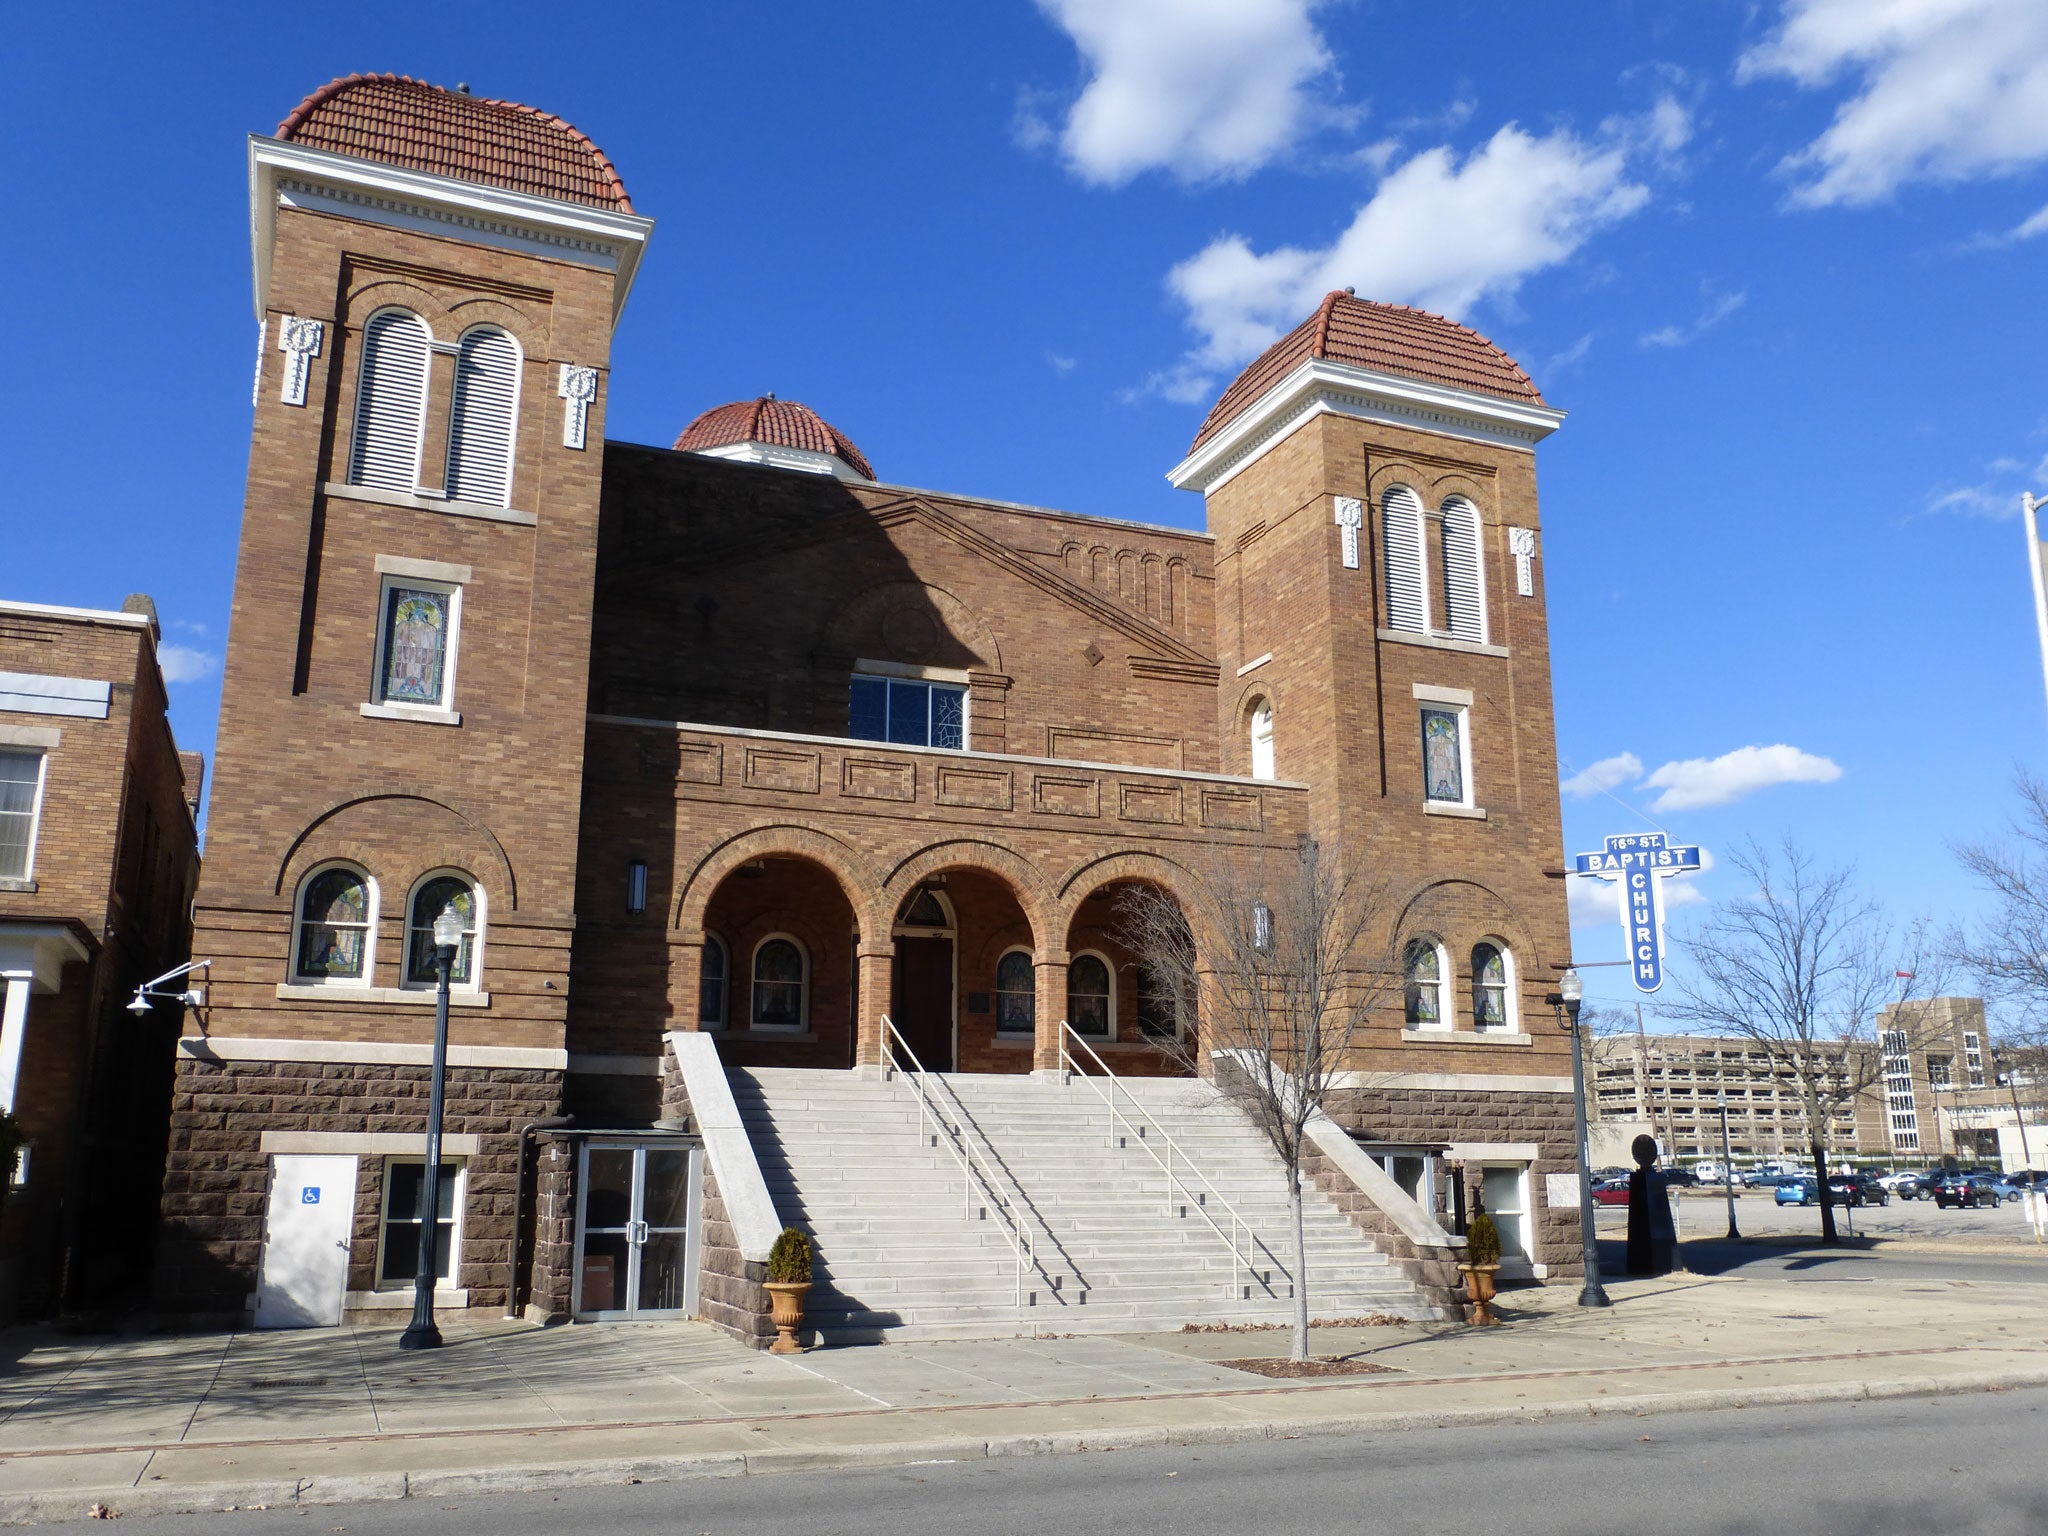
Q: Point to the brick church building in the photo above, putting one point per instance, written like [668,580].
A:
[750,767]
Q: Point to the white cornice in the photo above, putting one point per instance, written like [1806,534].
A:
[432,204]
[778,456]
[90,615]
[1320,387]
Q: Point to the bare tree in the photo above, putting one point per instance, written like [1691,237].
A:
[2008,952]
[1292,955]
[1800,966]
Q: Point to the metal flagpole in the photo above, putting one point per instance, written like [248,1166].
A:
[2029,504]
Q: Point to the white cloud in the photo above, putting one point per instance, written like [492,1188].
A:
[1206,89]
[185,663]
[1944,90]
[1701,782]
[1060,363]
[1996,496]
[1437,232]
[1719,307]
[1608,773]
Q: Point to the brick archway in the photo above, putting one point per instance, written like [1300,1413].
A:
[851,868]
[1025,880]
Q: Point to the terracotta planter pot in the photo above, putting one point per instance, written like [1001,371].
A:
[786,1304]
[1479,1291]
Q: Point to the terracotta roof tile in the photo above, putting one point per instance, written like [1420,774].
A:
[1392,338]
[782,423]
[401,121]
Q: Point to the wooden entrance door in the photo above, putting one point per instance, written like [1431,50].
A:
[923,1008]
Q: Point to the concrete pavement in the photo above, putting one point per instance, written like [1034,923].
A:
[207,1421]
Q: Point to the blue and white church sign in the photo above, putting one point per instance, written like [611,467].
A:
[1639,863]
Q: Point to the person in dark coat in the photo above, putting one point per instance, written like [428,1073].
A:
[1652,1234]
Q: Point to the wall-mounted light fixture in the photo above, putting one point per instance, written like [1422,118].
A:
[636,886]
[191,997]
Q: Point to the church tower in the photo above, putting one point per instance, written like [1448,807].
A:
[437,279]
[1381,638]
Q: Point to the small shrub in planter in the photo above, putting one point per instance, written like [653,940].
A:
[1482,1240]
[789,1261]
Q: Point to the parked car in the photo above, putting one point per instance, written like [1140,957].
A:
[1797,1191]
[1973,1190]
[1611,1192]
[1858,1189]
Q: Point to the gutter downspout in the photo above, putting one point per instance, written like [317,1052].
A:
[550,1123]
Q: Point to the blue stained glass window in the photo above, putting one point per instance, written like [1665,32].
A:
[907,712]
[415,645]
[949,717]
[910,713]
[868,711]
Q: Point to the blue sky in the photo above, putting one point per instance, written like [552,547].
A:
[1780,261]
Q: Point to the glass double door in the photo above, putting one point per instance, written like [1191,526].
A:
[633,1231]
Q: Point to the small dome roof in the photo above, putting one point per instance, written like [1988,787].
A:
[406,122]
[769,423]
[1390,338]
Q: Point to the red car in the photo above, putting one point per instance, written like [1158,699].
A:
[1611,1192]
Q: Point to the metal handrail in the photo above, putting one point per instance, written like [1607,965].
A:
[973,1168]
[1241,1255]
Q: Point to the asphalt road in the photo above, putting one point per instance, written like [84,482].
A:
[1720,1257]
[1958,1465]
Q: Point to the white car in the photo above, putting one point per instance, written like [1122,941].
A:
[1890,1182]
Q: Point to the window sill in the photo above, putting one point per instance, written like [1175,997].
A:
[400,1300]
[412,712]
[1465,1037]
[1444,808]
[316,992]
[1441,642]
[382,498]
[792,1035]
[1016,1042]
[17,886]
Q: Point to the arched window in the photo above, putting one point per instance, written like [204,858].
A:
[1016,994]
[781,985]
[1407,563]
[711,989]
[1091,1000]
[1464,586]
[1423,968]
[428,899]
[337,927]
[1262,740]
[391,402]
[1493,989]
[484,417]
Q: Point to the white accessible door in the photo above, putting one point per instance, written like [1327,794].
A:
[305,1241]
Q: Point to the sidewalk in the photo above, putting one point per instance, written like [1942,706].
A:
[161,1423]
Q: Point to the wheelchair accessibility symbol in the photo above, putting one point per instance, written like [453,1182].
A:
[309,1196]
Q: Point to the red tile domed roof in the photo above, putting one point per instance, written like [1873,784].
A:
[778,423]
[406,122]
[1390,338]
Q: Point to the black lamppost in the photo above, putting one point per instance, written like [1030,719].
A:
[1727,1165]
[1565,1002]
[421,1333]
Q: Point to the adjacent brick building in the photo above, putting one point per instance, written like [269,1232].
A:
[740,735]
[98,860]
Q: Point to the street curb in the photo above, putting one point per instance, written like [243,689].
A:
[354,1488]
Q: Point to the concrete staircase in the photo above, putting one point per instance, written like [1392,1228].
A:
[903,1253]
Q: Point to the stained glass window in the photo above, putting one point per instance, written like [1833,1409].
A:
[427,904]
[907,712]
[415,645]
[779,985]
[1443,758]
[925,910]
[1424,983]
[711,984]
[1016,995]
[334,926]
[1088,995]
[1489,987]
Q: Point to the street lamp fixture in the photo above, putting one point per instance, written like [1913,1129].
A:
[190,997]
[1727,1165]
[421,1333]
[1566,1002]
